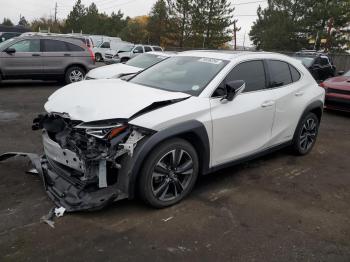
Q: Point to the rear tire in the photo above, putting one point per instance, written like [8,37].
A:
[74,74]
[98,57]
[306,134]
[169,173]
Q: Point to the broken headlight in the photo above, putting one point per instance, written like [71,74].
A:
[102,131]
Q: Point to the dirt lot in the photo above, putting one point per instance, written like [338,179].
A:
[276,208]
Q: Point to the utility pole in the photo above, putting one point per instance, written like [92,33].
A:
[235,30]
[56,13]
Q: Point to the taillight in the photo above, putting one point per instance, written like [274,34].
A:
[322,85]
[92,55]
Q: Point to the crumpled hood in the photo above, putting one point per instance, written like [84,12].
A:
[110,71]
[95,100]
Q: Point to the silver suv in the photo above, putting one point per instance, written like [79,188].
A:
[45,57]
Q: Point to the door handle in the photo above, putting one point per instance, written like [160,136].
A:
[67,54]
[268,103]
[300,93]
[35,55]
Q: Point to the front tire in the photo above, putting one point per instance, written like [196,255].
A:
[169,173]
[74,74]
[98,57]
[306,134]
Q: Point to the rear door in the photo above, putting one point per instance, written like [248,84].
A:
[56,56]
[289,93]
[25,62]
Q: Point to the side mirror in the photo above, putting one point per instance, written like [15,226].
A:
[340,73]
[10,50]
[233,89]
[135,51]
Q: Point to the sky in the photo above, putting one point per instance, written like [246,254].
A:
[245,10]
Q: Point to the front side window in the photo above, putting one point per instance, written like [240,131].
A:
[55,46]
[279,73]
[138,49]
[252,73]
[32,45]
[105,45]
[181,74]
[145,60]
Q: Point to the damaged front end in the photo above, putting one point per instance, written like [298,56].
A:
[84,164]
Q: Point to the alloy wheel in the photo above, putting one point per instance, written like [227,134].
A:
[172,175]
[308,134]
[76,76]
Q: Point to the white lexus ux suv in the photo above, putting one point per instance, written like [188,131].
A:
[154,133]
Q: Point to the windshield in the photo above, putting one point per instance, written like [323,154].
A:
[181,74]
[307,61]
[6,42]
[145,60]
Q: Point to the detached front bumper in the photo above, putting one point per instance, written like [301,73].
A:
[112,60]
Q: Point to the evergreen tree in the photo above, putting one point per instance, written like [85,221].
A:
[74,20]
[7,22]
[23,21]
[158,22]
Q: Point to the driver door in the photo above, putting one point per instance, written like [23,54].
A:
[243,126]
[136,51]
[25,62]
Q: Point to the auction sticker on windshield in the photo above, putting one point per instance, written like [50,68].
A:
[210,60]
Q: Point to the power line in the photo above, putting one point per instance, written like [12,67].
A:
[248,3]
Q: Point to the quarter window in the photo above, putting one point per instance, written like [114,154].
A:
[252,73]
[27,46]
[55,46]
[74,48]
[295,73]
[280,74]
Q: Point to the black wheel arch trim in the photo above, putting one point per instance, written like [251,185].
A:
[191,128]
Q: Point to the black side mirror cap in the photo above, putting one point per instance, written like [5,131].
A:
[234,88]
[10,50]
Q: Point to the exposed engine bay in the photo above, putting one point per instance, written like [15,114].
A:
[84,166]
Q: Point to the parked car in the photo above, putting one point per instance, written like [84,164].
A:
[320,65]
[127,52]
[8,35]
[106,46]
[338,92]
[191,114]
[45,57]
[132,66]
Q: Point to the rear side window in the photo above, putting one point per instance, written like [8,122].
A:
[295,73]
[157,48]
[148,49]
[280,74]
[252,73]
[324,61]
[74,48]
[55,46]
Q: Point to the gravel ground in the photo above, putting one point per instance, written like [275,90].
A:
[276,208]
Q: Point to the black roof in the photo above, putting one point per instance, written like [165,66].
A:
[17,29]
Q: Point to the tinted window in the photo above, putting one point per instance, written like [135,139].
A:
[55,46]
[157,48]
[74,48]
[295,73]
[27,46]
[324,61]
[148,49]
[145,60]
[138,49]
[106,45]
[279,73]
[252,73]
